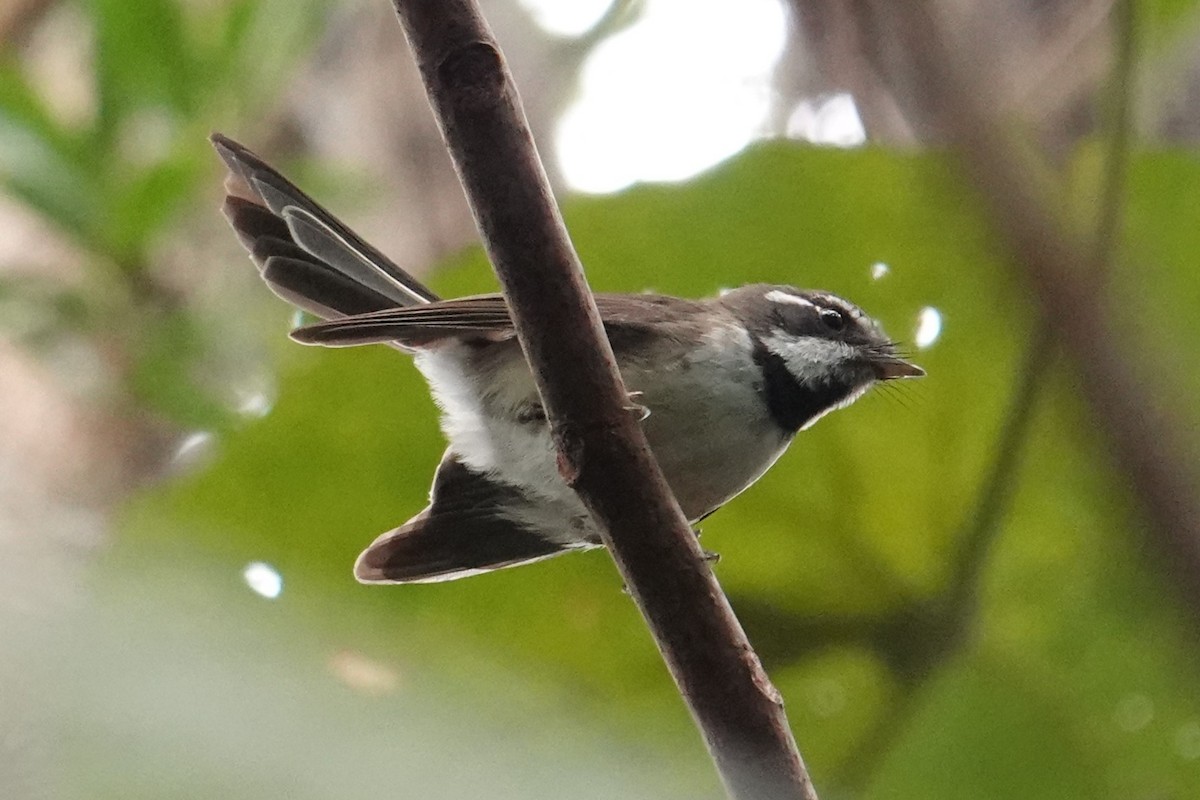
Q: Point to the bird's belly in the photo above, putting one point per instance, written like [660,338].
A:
[704,481]
[711,449]
[706,468]
[708,427]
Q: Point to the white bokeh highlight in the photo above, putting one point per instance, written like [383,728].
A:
[929,327]
[193,450]
[571,18]
[263,579]
[829,120]
[684,87]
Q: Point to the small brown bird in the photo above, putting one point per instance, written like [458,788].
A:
[725,383]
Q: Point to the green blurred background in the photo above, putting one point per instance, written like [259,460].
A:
[183,492]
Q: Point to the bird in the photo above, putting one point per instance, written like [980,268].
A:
[722,385]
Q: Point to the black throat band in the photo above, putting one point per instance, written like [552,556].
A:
[791,403]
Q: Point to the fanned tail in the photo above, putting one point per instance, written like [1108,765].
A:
[474,523]
[305,254]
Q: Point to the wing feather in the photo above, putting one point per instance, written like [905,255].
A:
[483,316]
[469,527]
[487,316]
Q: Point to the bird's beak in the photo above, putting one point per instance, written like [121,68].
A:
[887,369]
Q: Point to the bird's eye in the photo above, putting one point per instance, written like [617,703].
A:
[833,319]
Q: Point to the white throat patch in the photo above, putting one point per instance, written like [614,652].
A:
[813,360]
[809,358]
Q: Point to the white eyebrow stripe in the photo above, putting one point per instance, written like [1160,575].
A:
[776,296]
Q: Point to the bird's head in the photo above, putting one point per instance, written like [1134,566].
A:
[817,351]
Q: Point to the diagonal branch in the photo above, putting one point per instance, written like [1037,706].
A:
[602,452]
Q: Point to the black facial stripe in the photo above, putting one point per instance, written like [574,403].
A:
[791,403]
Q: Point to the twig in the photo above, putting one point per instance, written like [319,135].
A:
[602,452]
[992,505]
[1066,277]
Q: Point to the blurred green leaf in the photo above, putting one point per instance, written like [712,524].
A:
[163,377]
[22,107]
[113,184]
[144,58]
[147,199]
[1160,29]
[1165,14]
[258,44]
[37,310]
[990,730]
[39,162]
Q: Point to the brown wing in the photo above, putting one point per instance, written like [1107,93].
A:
[486,317]
[469,527]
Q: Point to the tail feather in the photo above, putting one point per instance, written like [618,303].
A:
[254,222]
[322,241]
[300,280]
[306,254]
[309,258]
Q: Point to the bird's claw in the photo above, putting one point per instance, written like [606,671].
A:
[710,557]
[639,410]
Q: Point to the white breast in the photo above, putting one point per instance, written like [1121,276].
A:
[486,429]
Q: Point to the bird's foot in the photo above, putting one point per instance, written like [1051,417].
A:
[636,408]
